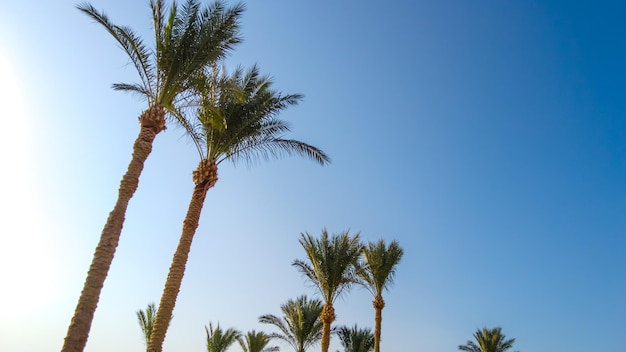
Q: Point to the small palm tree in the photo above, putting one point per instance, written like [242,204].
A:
[378,272]
[146,321]
[488,340]
[218,340]
[332,268]
[185,42]
[256,342]
[355,339]
[236,121]
[300,326]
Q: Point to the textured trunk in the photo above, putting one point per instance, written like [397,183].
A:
[152,122]
[204,178]
[327,317]
[379,304]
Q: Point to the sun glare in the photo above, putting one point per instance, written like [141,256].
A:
[27,269]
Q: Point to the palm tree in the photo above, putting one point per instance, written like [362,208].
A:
[185,41]
[355,339]
[488,340]
[300,326]
[218,340]
[378,272]
[233,124]
[146,321]
[256,342]
[332,267]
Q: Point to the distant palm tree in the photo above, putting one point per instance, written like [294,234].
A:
[237,120]
[218,340]
[332,268]
[300,326]
[146,321]
[256,342]
[185,42]
[378,272]
[355,339]
[488,340]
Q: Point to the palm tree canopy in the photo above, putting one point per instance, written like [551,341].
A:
[146,320]
[355,339]
[218,340]
[488,340]
[255,341]
[237,119]
[187,39]
[379,267]
[301,326]
[333,262]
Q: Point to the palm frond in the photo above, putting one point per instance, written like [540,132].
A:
[132,87]
[130,43]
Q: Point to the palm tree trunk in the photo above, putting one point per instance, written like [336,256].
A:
[327,317]
[152,122]
[379,304]
[204,178]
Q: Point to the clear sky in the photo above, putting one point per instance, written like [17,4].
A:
[487,137]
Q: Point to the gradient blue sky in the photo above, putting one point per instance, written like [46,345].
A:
[487,137]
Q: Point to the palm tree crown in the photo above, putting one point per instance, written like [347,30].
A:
[237,119]
[300,325]
[187,39]
[146,321]
[332,262]
[255,341]
[218,340]
[488,340]
[380,264]
[355,339]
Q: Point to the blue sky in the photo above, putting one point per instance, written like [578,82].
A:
[487,137]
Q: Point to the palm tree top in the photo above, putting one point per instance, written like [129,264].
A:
[332,262]
[488,340]
[355,339]
[237,118]
[187,39]
[380,261]
[219,340]
[256,341]
[301,326]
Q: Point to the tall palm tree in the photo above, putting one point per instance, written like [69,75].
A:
[186,40]
[237,120]
[218,340]
[488,340]
[332,267]
[378,272]
[255,341]
[355,339]
[300,326]
[146,321]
